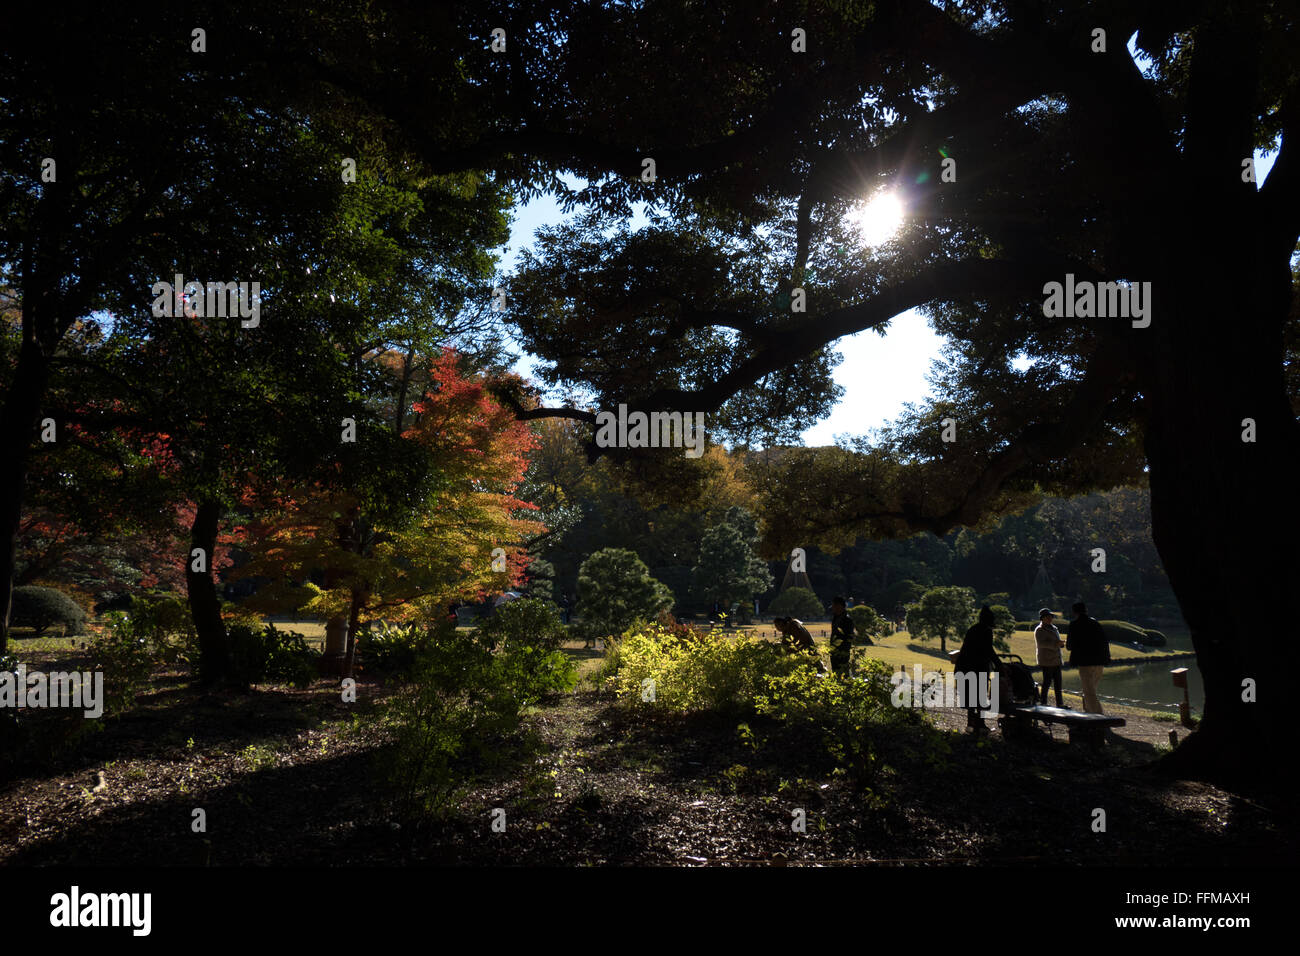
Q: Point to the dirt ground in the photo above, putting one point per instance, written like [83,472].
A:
[288,776]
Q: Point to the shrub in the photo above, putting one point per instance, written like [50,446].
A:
[797,602]
[709,673]
[42,608]
[269,656]
[847,715]
[164,622]
[528,622]
[1123,632]
[127,659]
[392,648]
[464,700]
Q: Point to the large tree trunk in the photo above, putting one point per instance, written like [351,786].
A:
[1224,512]
[205,606]
[18,422]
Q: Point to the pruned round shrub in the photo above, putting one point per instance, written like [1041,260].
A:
[797,602]
[1122,632]
[42,608]
[529,622]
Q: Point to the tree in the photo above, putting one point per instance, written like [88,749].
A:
[615,591]
[1032,114]
[729,570]
[797,602]
[868,622]
[1004,625]
[943,613]
[93,191]
[403,545]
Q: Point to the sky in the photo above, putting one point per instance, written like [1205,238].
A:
[879,374]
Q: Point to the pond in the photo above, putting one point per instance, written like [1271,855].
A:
[1145,684]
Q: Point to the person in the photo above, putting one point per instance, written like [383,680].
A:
[978,657]
[795,638]
[1048,644]
[841,636]
[566,606]
[1090,652]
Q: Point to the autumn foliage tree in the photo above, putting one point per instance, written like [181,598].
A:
[404,550]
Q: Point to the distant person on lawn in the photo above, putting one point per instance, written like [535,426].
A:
[978,657]
[841,635]
[1090,652]
[1047,640]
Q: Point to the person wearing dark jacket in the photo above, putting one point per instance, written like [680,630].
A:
[841,636]
[1090,652]
[977,656]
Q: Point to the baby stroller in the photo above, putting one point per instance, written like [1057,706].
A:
[1016,684]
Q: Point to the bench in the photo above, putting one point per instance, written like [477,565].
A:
[1082,726]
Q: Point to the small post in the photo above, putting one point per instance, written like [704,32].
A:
[1179,675]
[1173,739]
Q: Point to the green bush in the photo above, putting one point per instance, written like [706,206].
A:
[268,656]
[848,715]
[799,603]
[42,608]
[392,648]
[1123,632]
[464,700]
[164,622]
[705,673]
[527,622]
[127,659]
[448,724]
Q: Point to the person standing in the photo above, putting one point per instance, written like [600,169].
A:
[1047,640]
[978,657]
[1090,652]
[841,636]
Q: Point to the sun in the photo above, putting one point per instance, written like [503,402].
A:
[879,219]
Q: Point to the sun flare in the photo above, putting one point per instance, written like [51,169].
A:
[878,220]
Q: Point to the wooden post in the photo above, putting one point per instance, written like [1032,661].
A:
[1179,675]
